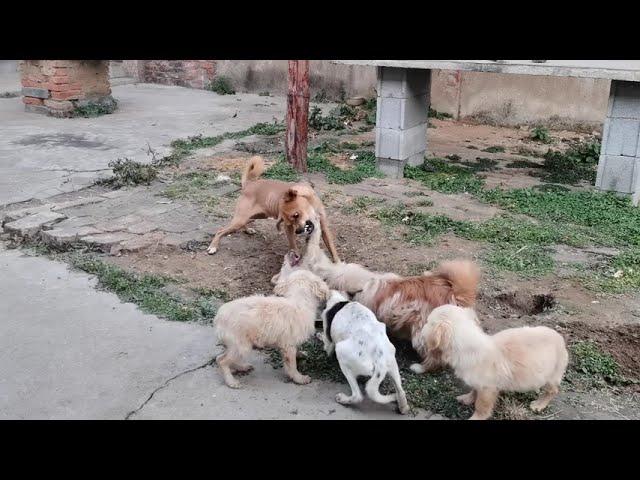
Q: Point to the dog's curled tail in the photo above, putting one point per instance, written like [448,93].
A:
[253,170]
[464,276]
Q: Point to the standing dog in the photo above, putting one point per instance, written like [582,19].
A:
[513,360]
[283,321]
[292,204]
[363,349]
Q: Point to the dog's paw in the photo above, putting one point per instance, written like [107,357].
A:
[343,399]
[211,250]
[417,368]
[250,231]
[466,399]
[235,385]
[403,408]
[301,354]
[302,380]
[537,406]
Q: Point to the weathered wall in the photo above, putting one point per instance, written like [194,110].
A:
[183,73]
[488,97]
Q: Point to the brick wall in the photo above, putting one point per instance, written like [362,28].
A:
[56,87]
[183,73]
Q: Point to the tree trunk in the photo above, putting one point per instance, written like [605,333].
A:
[297,114]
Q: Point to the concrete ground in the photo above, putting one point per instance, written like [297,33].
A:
[69,351]
[44,156]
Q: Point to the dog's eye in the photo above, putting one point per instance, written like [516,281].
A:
[296,215]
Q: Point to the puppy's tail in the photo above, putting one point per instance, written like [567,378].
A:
[253,170]
[464,276]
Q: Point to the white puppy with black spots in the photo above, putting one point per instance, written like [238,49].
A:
[363,349]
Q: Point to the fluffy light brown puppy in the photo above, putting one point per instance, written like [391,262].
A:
[345,277]
[282,322]
[404,304]
[292,204]
[513,360]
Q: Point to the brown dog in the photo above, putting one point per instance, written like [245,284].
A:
[404,304]
[293,204]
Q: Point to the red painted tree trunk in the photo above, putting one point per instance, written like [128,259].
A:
[297,114]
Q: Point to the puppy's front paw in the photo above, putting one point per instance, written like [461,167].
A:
[417,368]
[302,379]
[251,231]
[211,250]
[235,384]
[466,399]
[537,406]
[403,408]
[343,399]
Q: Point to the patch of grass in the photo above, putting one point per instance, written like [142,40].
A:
[321,97]
[527,152]
[359,205]
[438,174]
[146,291]
[472,147]
[127,172]
[494,149]
[621,274]
[222,86]
[523,164]
[578,163]
[426,202]
[329,122]
[481,164]
[95,109]
[600,218]
[364,167]
[592,367]
[184,147]
[541,134]
[438,115]
[197,187]
[281,170]
[527,260]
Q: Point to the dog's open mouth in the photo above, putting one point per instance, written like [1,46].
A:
[308,228]
[293,258]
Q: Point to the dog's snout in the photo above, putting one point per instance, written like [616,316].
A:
[309,226]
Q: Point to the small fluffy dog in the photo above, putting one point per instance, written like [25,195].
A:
[363,349]
[513,360]
[404,304]
[346,277]
[292,204]
[283,321]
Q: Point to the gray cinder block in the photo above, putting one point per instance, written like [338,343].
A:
[35,92]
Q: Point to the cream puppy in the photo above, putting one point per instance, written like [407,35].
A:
[513,360]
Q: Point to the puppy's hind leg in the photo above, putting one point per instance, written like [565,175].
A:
[344,359]
[225,361]
[548,392]
[485,401]
[394,373]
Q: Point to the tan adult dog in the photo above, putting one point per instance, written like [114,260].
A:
[292,204]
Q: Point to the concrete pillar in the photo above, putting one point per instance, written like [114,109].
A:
[619,164]
[402,117]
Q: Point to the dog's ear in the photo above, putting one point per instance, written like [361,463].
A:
[290,195]
[303,191]
[440,337]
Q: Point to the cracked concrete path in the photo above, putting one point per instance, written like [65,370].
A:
[69,351]
[42,156]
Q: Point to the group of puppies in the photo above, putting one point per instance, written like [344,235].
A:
[433,310]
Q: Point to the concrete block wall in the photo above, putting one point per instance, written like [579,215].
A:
[619,165]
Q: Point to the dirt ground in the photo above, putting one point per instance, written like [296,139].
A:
[245,263]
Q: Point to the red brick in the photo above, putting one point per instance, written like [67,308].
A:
[32,101]
[68,95]
[60,79]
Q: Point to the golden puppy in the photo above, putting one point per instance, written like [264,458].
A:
[292,204]
[283,321]
[513,360]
